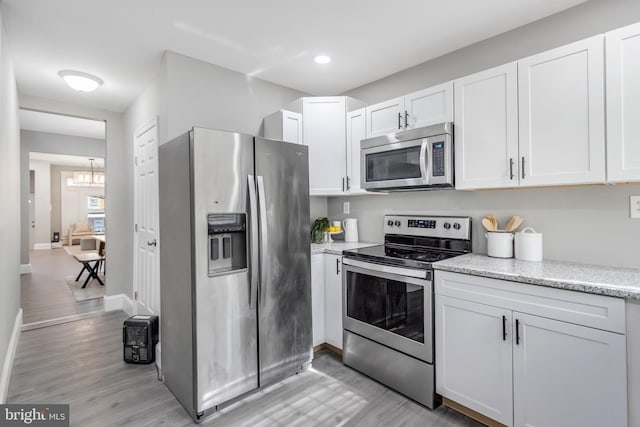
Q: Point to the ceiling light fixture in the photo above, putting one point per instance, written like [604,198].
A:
[82,82]
[322,59]
[88,178]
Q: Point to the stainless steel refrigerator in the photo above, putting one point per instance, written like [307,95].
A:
[235,274]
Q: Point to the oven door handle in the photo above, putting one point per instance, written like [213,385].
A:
[401,271]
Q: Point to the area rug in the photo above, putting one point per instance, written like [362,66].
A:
[92,291]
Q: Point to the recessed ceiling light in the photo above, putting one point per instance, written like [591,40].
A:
[322,59]
[82,82]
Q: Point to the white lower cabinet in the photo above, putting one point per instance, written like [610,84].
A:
[326,299]
[333,299]
[501,352]
[317,299]
[473,360]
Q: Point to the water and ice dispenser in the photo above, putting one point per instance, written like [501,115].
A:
[227,242]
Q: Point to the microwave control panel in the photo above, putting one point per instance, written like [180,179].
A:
[438,158]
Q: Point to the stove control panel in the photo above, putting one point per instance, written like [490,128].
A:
[428,226]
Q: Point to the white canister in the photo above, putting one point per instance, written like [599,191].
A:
[499,244]
[529,245]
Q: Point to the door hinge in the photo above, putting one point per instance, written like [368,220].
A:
[135,295]
[135,160]
[135,227]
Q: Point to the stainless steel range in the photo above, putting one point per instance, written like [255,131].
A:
[388,301]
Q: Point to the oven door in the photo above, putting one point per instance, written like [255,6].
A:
[390,308]
[398,164]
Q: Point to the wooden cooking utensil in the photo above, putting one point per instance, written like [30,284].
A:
[488,225]
[494,221]
[513,223]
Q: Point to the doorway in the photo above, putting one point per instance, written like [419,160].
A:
[64,201]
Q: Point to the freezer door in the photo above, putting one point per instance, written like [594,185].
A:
[225,319]
[284,308]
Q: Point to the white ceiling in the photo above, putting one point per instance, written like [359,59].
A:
[122,41]
[64,125]
[65,160]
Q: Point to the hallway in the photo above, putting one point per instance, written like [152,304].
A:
[44,292]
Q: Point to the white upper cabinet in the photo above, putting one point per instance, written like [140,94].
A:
[623,104]
[284,125]
[423,108]
[356,131]
[385,117]
[429,106]
[561,115]
[324,134]
[486,129]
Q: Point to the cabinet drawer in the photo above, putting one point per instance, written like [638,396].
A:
[595,311]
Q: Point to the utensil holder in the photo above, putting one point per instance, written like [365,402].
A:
[499,244]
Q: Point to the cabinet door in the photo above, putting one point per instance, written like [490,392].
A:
[429,106]
[317,298]
[561,113]
[324,133]
[486,129]
[623,104]
[292,127]
[473,356]
[568,375]
[385,117]
[333,299]
[356,131]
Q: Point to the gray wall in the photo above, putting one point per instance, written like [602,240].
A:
[582,224]
[207,95]
[42,142]
[10,197]
[118,188]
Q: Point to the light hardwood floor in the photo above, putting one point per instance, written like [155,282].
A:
[44,293]
[80,363]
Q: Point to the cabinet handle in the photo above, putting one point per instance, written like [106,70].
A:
[504,328]
[406,119]
[522,167]
[337,266]
[511,168]
[343,184]
[399,118]
[517,332]
[348,183]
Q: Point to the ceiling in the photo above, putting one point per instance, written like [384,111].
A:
[65,160]
[64,125]
[122,41]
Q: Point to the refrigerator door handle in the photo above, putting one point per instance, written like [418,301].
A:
[262,211]
[253,242]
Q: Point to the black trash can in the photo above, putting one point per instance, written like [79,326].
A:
[140,336]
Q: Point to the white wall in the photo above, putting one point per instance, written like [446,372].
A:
[10,199]
[42,231]
[118,188]
[584,224]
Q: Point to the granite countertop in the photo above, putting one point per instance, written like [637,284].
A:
[336,248]
[611,281]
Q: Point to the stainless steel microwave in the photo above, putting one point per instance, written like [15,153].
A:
[415,159]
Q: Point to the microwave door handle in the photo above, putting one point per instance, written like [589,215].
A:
[262,211]
[425,164]
[253,242]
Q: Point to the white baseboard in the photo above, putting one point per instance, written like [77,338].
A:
[118,302]
[25,268]
[41,246]
[8,360]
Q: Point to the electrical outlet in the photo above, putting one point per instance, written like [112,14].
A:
[345,207]
[634,206]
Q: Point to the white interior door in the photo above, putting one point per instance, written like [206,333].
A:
[147,268]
